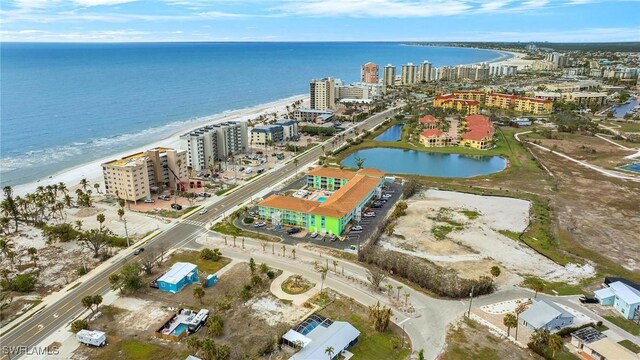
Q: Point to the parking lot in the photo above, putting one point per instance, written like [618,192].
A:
[347,241]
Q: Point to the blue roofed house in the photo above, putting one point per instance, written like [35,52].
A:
[623,297]
[545,314]
[179,275]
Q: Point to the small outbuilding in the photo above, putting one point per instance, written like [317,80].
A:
[179,275]
[547,315]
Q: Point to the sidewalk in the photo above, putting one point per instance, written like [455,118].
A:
[300,299]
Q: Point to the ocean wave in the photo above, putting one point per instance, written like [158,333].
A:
[105,146]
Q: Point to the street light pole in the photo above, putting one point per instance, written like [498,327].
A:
[126,232]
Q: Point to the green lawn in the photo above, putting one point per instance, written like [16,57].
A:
[627,325]
[630,345]
[372,344]
[133,350]
[228,228]
[624,126]
[193,257]
[560,287]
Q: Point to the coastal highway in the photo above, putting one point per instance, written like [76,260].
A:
[35,329]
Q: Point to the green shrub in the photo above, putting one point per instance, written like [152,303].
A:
[60,232]
[78,325]
[22,283]
[248,220]
[271,275]
[82,270]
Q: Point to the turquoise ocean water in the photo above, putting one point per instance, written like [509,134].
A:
[67,104]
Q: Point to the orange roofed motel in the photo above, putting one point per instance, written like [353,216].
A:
[351,192]
[466,101]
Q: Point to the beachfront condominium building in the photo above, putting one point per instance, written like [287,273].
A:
[339,196]
[369,73]
[409,74]
[289,128]
[323,94]
[389,75]
[425,71]
[354,91]
[210,144]
[133,177]
[266,135]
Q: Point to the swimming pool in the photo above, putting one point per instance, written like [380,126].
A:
[635,167]
[321,199]
[182,327]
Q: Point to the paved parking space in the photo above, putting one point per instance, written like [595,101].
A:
[348,240]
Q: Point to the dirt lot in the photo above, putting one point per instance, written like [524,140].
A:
[252,323]
[472,241]
[590,148]
[470,340]
[599,213]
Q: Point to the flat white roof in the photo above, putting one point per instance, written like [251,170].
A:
[604,293]
[625,292]
[338,336]
[177,272]
[92,334]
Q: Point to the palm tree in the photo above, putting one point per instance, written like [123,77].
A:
[389,289]
[537,286]
[194,344]
[293,253]
[329,351]
[406,298]
[84,183]
[399,287]
[101,219]
[295,163]
[33,254]
[97,187]
[6,246]
[335,266]
[78,224]
[198,293]
[510,321]
[555,343]
[359,162]
[495,271]
[284,250]
[120,213]
[323,275]
[8,205]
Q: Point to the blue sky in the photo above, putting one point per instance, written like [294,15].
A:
[320,20]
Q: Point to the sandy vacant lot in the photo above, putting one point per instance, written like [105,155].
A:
[474,243]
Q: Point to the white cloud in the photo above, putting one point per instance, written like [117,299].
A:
[376,8]
[89,3]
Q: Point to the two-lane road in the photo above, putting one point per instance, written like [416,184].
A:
[32,331]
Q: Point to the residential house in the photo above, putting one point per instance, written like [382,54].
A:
[179,275]
[606,349]
[545,314]
[428,122]
[623,297]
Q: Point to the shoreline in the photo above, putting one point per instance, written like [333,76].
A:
[92,170]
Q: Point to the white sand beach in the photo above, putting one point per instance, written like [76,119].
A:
[516,59]
[92,171]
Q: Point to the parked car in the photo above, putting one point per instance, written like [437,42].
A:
[204,194]
[356,228]
[253,213]
[386,196]
[138,251]
[202,212]
[260,171]
[293,231]
[176,207]
[369,214]
[334,238]
[589,300]
[376,205]
[149,201]
[314,235]
[259,224]
[164,197]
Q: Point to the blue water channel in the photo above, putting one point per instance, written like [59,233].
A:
[399,161]
[393,133]
[621,110]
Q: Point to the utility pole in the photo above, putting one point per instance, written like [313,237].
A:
[470,301]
